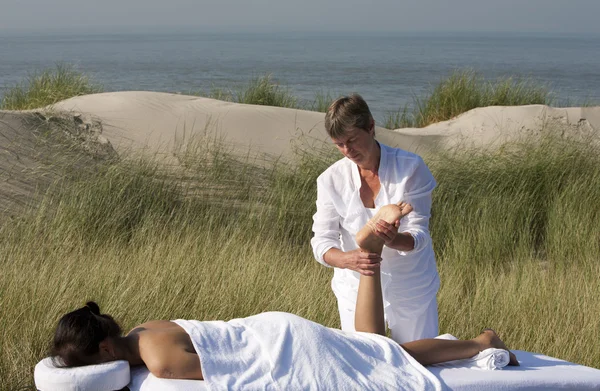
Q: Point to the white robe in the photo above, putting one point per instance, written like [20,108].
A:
[409,278]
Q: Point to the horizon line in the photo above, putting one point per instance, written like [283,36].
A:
[116,30]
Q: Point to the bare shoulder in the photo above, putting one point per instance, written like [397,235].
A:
[161,334]
[168,351]
[153,325]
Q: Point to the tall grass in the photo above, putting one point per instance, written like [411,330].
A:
[48,87]
[265,91]
[515,231]
[321,102]
[260,90]
[465,90]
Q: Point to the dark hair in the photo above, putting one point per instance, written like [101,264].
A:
[345,113]
[79,333]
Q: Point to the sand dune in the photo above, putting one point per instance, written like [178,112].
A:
[35,151]
[161,121]
[119,122]
[488,126]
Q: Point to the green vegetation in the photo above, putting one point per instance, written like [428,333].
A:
[321,102]
[260,90]
[515,231]
[48,87]
[465,90]
[264,91]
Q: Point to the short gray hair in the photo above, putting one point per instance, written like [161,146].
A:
[345,113]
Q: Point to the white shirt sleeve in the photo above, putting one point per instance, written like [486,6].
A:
[418,193]
[326,224]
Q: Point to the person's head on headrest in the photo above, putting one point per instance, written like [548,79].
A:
[84,337]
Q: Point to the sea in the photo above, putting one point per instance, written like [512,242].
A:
[389,70]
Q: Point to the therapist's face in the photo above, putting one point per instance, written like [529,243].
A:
[358,145]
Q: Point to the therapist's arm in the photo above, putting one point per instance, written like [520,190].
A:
[413,229]
[402,241]
[326,243]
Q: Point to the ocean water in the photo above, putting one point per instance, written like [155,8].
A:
[389,70]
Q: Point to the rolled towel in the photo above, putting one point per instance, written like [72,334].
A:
[488,359]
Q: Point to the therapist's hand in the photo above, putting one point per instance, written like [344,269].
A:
[362,262]
[386,231]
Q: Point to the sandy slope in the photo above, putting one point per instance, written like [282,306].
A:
[488,126]
[37,150]
[161,122]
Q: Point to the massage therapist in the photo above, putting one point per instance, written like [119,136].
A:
[349,193]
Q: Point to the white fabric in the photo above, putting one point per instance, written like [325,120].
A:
[110,376]
[488,359]
[281,351]
[536,373]
[409,279]
[143,380]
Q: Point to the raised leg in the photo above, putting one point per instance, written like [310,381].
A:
[369,303]
[369,318]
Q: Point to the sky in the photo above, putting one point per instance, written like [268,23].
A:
[538,16]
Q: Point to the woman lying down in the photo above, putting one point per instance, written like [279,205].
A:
[271,350]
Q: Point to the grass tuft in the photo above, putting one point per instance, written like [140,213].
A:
[48,87]
[465,90]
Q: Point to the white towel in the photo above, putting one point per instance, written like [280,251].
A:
[281,351]
[488,359]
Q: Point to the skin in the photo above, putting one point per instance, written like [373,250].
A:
[360,146]
[163,346]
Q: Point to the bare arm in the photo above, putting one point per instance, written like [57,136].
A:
[170,355]
[183,365]
[180,366]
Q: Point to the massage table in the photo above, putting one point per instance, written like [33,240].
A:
[537,372]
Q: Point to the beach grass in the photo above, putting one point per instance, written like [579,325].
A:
[321,102]
[221,236]
[265,91]
[259,90]
[465,90]
[48,87]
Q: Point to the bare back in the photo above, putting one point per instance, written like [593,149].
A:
[167,350]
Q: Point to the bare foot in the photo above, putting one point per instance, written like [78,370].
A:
[366,237]
[489,339]
[405,208]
